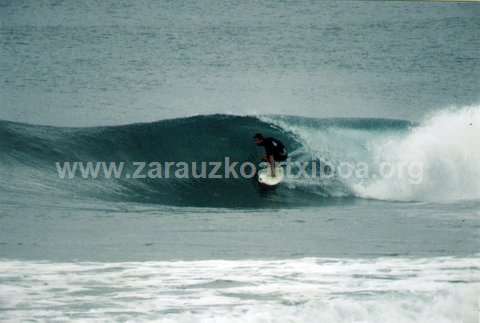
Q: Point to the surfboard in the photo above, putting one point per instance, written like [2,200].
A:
[265,177]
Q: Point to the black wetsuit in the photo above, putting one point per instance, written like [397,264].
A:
[276,148]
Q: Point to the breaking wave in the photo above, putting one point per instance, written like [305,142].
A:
[444,146]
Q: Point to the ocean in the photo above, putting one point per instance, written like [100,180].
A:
[376,101]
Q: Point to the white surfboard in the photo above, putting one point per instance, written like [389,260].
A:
[265,177]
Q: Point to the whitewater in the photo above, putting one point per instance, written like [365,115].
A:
[425,290]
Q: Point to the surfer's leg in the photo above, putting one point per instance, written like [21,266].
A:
[271,162]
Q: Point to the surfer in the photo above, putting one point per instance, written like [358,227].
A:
[274,150]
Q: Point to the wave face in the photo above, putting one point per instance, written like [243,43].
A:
[445,146]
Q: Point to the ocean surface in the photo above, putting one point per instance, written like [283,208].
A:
[360,82]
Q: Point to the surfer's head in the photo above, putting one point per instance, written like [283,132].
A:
[258,139]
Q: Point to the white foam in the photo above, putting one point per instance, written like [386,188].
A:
[445,148]
[292,290]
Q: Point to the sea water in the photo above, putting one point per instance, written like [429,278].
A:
[358,82]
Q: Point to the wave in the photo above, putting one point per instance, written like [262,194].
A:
[443,147]
[435,160]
